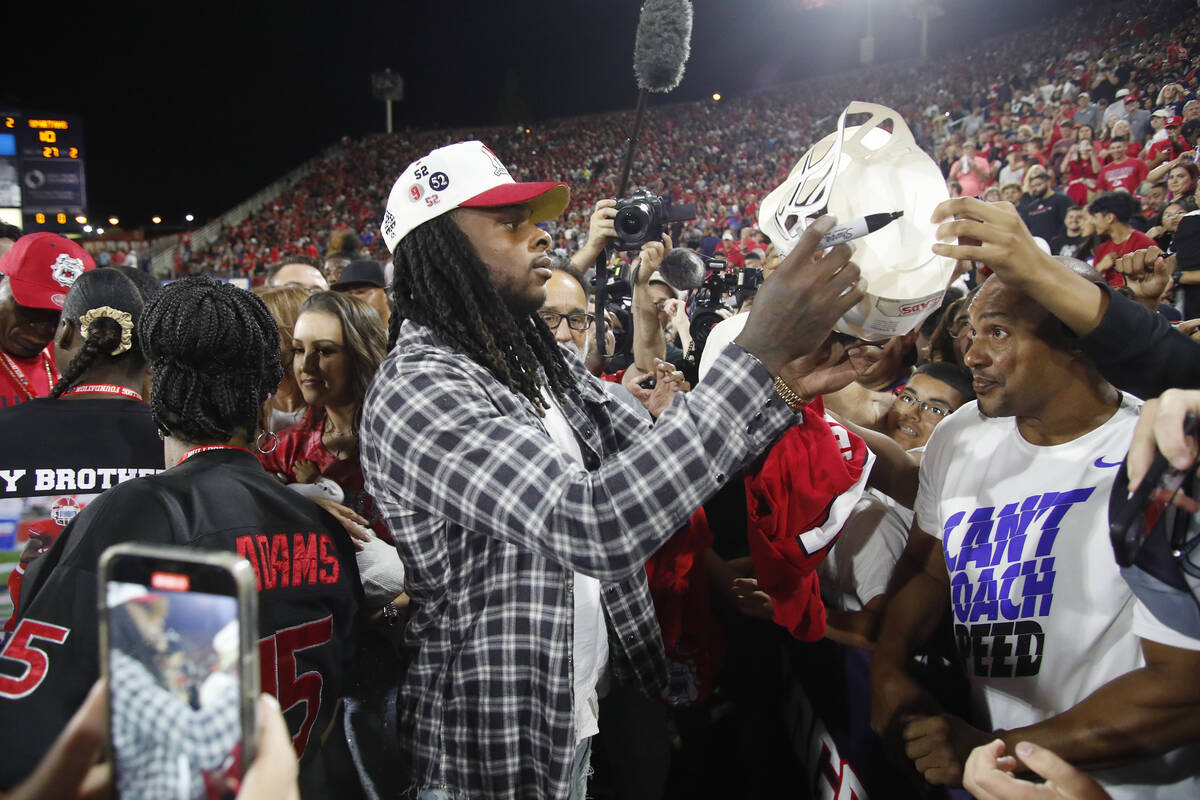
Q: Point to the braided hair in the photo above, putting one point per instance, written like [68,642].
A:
[121,288]
[441,283]
[214,359]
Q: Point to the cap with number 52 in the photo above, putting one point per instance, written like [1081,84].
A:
[463,174]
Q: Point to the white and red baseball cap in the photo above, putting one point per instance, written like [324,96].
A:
[41,268]
[463,174]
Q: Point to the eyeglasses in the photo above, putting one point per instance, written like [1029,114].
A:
[576,322]
[922,407]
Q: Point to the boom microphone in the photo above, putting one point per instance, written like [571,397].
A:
[682,268]
[660,51]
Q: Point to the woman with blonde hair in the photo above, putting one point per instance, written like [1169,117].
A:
[286,406]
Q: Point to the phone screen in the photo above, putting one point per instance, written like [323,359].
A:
[175,688]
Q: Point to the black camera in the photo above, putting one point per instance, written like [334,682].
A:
[719,281]
[640,218]
[744,281]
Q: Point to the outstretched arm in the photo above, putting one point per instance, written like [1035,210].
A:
[1142,713]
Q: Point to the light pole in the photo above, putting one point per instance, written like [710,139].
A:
[387,87]
[866,45]
[925,10]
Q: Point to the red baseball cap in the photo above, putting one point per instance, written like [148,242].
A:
[41,268]
[1173,122]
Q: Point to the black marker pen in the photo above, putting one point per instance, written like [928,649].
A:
[856,229]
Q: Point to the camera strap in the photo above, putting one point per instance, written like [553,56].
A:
[600,292]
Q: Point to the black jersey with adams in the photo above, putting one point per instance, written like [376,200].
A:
[309,594]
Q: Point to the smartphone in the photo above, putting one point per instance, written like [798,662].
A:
[178,628]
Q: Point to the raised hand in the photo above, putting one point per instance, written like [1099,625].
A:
[794,312]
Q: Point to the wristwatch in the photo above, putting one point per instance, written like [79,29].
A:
[794,401]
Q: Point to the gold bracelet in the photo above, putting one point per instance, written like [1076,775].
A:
[794,401]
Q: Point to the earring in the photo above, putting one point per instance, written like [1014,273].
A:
[271,437]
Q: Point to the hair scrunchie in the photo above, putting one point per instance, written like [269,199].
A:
[122,318]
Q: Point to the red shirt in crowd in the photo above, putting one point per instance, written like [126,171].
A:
[1171,148]
[22,377]
[1132,150]
[302,441]
[1127,175]
[1136,241]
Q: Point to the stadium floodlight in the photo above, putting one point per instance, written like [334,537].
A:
[114,221]
[716,97]
[87,228]
[189,218]
[387,87]
[81,219]
[100,231]
[156,220]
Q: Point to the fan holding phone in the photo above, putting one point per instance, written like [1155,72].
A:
[214,354]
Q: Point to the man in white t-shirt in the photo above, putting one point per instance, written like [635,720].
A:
[855,575]
[1011,527]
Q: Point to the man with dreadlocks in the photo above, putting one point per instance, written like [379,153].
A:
[524,501]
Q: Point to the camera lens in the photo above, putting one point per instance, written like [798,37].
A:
[631,221]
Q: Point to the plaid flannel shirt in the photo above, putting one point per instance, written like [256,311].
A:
[491,520]
[163,745]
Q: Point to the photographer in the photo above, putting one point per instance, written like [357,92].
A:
[649,342]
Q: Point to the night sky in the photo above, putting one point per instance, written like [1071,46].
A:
[191,108]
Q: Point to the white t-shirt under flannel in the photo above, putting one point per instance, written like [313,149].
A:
[590,659]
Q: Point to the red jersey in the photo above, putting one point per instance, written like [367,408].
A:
[1172,148]
[302,441]
[797,501]
[1126,175]
[1136,241]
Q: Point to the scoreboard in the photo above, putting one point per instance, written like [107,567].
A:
[42,180]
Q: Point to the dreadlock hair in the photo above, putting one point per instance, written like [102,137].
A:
[362,335]
[440,282]
[122,288]
[214,358]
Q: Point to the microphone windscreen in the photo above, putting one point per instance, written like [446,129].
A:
[664,36]
[683,269]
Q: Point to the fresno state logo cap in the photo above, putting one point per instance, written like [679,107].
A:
[41,267]
[464,174]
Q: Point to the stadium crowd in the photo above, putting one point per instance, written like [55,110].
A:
[715,551]
[1003,93]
